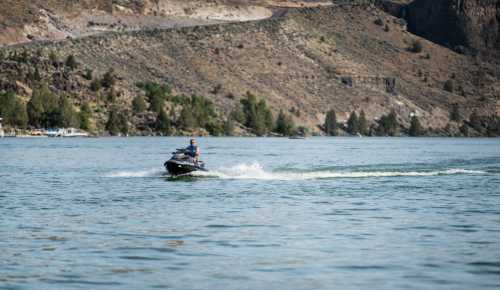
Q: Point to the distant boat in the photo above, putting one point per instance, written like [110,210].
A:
[66,132]
[297,137]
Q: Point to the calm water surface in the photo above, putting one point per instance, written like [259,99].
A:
[321,213]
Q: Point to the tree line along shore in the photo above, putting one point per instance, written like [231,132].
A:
[155,110]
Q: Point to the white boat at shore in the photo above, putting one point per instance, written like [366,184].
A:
[67,132]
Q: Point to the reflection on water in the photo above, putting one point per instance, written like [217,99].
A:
[321,213]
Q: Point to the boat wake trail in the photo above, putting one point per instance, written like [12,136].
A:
[256,171]
[139,173]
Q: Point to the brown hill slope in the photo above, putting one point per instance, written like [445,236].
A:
[346,58]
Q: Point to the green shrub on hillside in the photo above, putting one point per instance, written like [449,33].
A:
[139,105]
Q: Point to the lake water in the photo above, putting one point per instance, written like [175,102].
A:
[321,213]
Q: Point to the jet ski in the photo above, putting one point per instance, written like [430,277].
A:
[182,164]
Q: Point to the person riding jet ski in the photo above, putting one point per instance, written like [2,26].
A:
[193,150]
[184,161]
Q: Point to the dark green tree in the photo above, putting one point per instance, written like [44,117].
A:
[156,94]
[68,115]
[284,124]
[117,123]
[163,124]
[415,127]
[215,128]
[353,124]
[43,108]
[388,125]
[363,124]
[12,110]
[258,117]
[84,116]
[331,125]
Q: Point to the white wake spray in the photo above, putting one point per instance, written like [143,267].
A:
[139,173]
[256,171]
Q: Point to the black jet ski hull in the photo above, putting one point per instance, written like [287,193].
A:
[176,168]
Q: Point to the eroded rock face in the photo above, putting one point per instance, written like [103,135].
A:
[469,23]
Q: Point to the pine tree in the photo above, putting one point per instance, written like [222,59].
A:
[353,124]
[284,124]
[363,124]
[415,127]
[112,126]
[163,124]
[331,126]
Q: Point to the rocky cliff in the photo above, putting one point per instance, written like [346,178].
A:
[473,24]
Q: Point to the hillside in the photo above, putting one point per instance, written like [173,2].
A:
[306,61]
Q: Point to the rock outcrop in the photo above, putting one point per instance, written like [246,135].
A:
[473,24]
